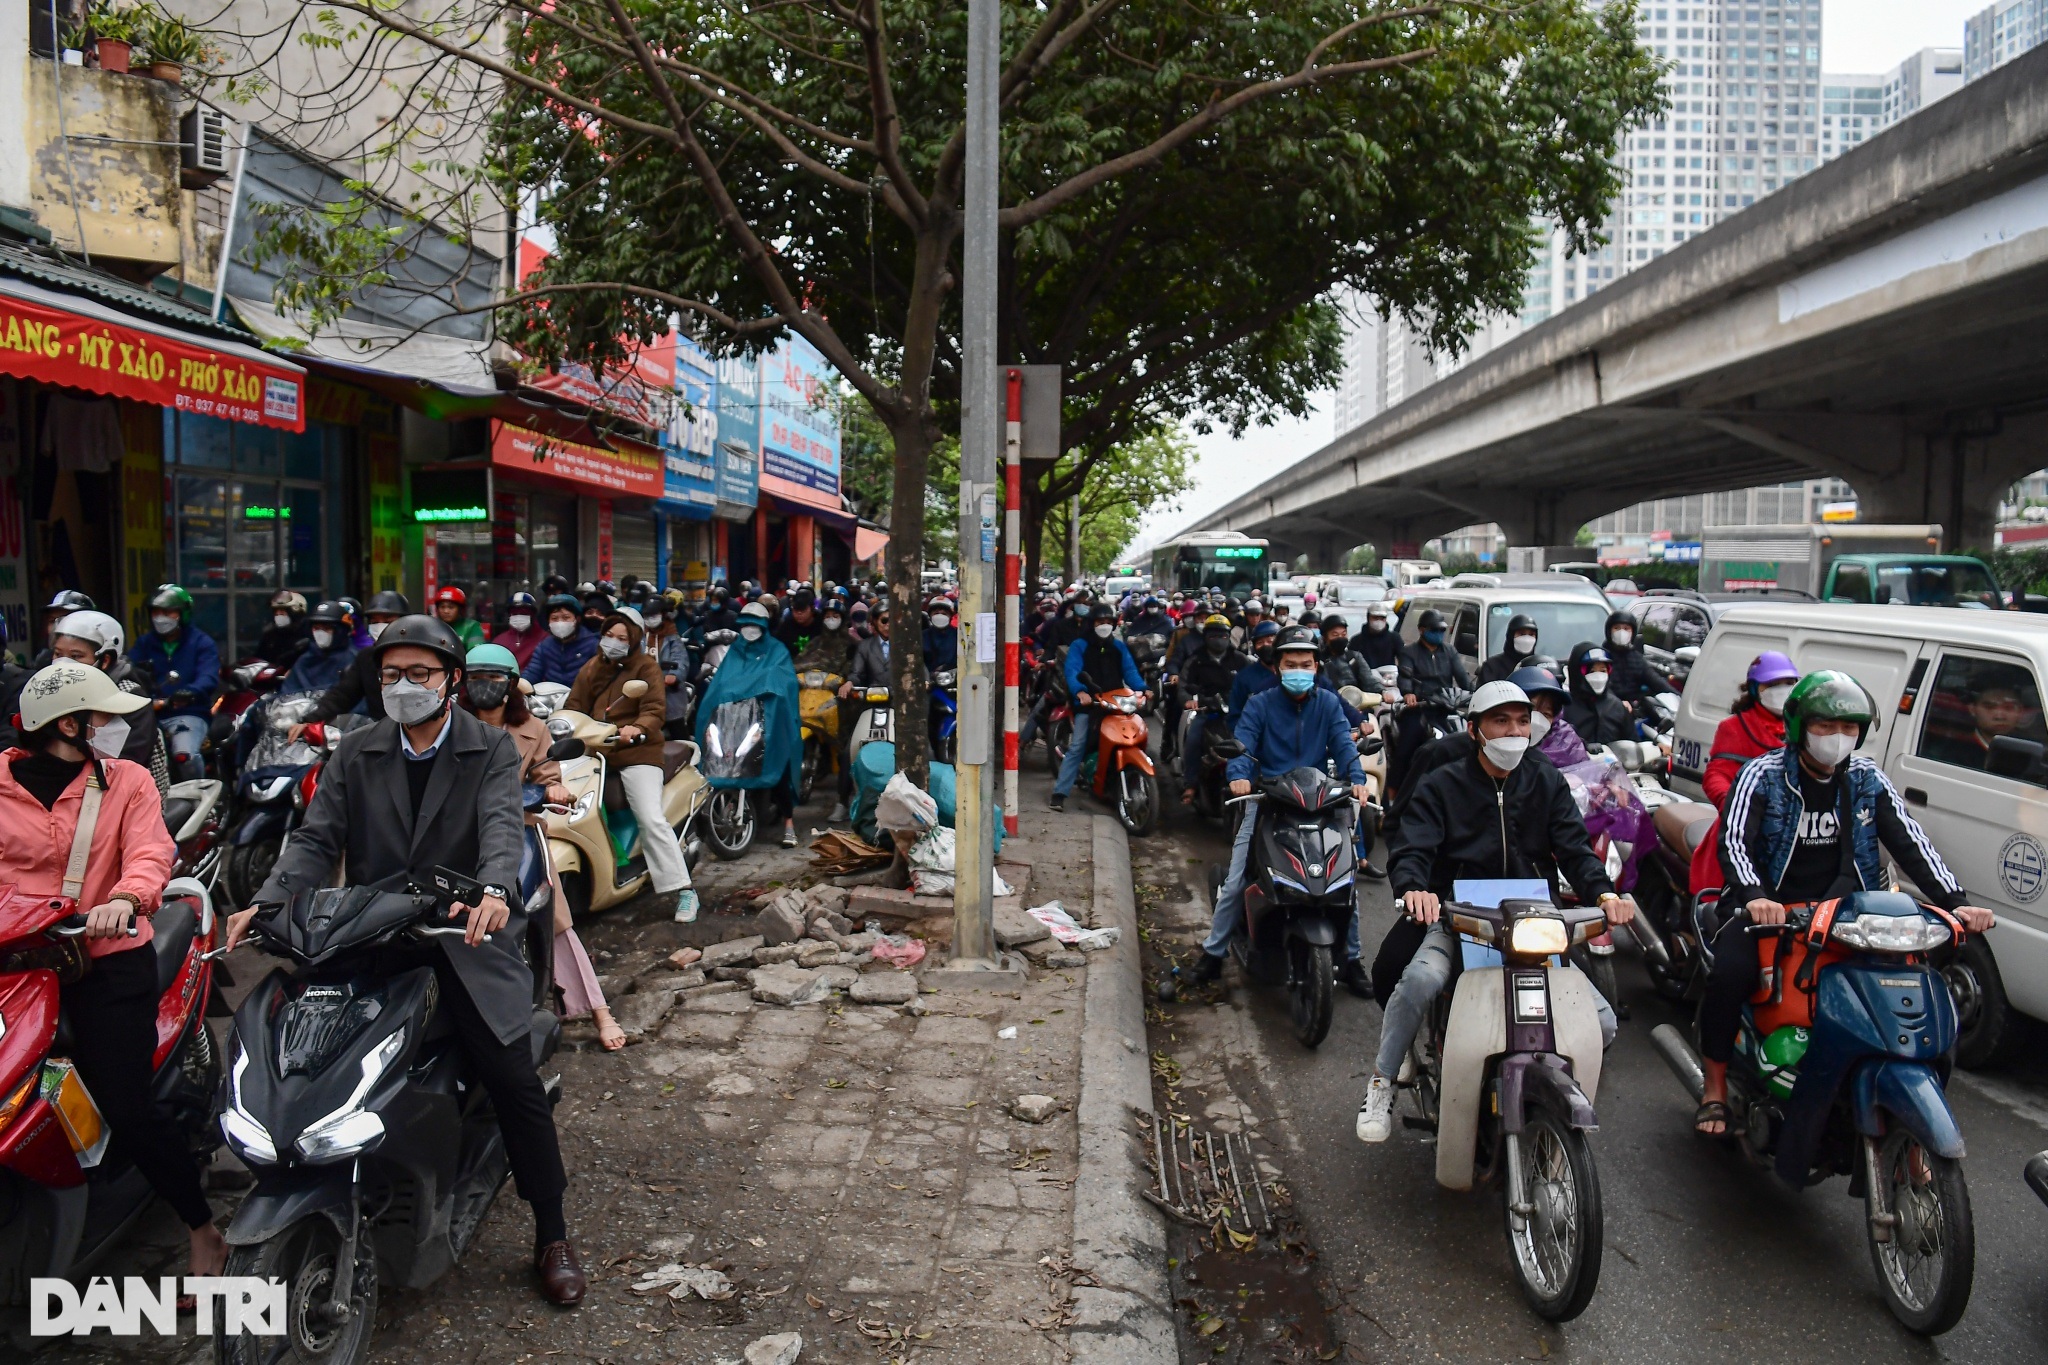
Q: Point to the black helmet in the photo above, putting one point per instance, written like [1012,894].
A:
[388,603]
[1102,611]
[70,599]
[1296,637]
[1432,619]
[521,599]
[1533,680]
[332,613]
[1519,623]
[426,632]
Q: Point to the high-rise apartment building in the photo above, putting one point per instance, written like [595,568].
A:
[1994,36]
[1856,107]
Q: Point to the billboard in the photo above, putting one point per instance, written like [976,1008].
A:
[689,443]
[800,425]
[737,480]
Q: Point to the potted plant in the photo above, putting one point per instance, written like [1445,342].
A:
[172,45]
[114,32]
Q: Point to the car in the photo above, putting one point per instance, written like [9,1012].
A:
[1534,582]
[1350,590]
[1479,618]
[1672,623]
[1961,734]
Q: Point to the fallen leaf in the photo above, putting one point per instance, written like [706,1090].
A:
[758,1241]
[813,1300]
[1210,1328]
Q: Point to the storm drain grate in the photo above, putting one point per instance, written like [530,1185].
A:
[1204,1177]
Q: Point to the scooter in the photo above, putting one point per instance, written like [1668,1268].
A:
[1205,771]
[1506,1072]
[595,843]
[1122,759]
[63,1202]
[195,812]
[1664,892]
[818,705]
[1300,892]
[376,1154]
[1840,1069]
[945,714]
[271,801]
[874,725]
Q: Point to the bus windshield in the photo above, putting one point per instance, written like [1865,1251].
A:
[1239,570]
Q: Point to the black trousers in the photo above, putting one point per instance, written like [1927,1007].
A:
[1410,734]
[506,1069]
[1731,982]
[850,711]
[112,1010]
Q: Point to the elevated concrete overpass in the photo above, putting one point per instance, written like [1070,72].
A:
[1883,319]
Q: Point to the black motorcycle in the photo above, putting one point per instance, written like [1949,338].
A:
[1300,892]
[1205,769]
[376,1153]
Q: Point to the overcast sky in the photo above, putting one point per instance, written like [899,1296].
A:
[1856,36]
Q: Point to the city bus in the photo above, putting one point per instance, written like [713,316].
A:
[1202,561]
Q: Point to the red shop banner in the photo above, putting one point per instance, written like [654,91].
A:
[58,347]
[632,470]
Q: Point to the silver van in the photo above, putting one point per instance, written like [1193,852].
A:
[1961,734]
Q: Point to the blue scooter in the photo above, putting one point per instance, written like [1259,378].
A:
[1858,1091]
[945,713]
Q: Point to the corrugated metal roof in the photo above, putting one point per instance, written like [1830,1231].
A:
[75,278]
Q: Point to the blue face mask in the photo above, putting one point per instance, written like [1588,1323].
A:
[1435,637]
[1297,680]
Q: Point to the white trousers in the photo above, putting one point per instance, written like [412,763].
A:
[658,845]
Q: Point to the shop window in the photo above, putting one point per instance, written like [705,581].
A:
[305,452]
[257,450]
[306,535]
[201,516]
[204,442]
[1985,714]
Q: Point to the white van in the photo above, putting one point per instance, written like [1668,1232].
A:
[1960,732]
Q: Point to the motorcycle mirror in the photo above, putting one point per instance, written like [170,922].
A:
[566,748]
[525,688]
[635,688]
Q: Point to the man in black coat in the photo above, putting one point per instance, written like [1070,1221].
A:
[1517,647]
[431,785]
[1634,680]
[1380,645]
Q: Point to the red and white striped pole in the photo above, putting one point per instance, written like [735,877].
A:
[1013,502]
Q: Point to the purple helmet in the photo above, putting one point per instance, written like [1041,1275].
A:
[1772,667]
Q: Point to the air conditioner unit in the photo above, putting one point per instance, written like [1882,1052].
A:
[204,133]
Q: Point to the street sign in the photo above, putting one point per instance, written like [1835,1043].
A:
[1039,415]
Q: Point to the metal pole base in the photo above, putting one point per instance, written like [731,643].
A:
[1005,971]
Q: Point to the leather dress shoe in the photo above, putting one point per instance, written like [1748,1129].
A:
[561,1275]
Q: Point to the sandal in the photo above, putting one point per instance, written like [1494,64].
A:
[1713,1111]
[610,1036]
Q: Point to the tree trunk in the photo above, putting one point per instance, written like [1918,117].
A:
[914,439]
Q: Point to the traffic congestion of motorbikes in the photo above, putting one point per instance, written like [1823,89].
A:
[420,885]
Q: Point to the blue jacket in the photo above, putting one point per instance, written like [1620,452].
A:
[318,669]
[559,661]
[1760,831]
[941,649]
[1281,733]
[194,659]
[1077,657]
[1256,677]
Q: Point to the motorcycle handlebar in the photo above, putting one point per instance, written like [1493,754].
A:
[78,930]
[432,931]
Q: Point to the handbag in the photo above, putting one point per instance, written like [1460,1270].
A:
[66,957]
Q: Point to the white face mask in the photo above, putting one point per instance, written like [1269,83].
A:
[376,628]
[1375,625]
[322,639]
[614,650]
[520,623]
[108,740]
[831,623]
[1525,644]
[940,620]
[411,703]
[1597,683]
[1104,631]
[1506,752]
[163,625]
[1773,697]
[1830,750]
[282,620]
[1620,637]
[1539,727]
[751,633]
[562,629]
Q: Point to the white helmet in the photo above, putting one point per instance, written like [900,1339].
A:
[67,687]
[1495,694]
[96,628]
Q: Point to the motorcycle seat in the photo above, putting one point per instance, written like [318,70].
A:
[178,810]
[171,930]
[1683,825]
[676,755]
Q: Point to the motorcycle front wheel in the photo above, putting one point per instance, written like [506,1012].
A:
[248,867]
[303,1258]
[1555,1238]
[807,773]
[729,822]
[1309,990]
[1928,1262]
[1138,806]
[1058,735]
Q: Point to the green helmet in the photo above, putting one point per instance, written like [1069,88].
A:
[171,597]
[491,659]
[1827,694]
[1783,1051]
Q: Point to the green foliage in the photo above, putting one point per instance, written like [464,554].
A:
[1466,562]
[1362,559]
[2017,570]
[1131,480]
[867,475]
[167,38]
[121,24]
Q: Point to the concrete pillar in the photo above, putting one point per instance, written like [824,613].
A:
[1955,480]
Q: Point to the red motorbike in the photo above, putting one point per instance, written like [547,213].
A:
[1123,762]
[64,1201]
[247,683]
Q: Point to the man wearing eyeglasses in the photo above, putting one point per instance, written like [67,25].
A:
[431,785]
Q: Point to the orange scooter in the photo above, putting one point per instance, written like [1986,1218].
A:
[1122,758]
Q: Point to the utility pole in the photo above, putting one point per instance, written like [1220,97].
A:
[1074,539]
[981,416]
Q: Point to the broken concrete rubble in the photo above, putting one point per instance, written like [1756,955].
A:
[730,953]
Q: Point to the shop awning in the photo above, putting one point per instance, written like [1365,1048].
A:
[69,339]
[627,470]
[867,544]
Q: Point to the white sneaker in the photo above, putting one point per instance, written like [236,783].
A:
[1407,1074]
[686,906]
[838,815]
[1376,1115]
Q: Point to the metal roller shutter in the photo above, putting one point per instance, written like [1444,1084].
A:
[632,546]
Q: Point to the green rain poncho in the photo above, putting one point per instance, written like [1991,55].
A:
[752,705]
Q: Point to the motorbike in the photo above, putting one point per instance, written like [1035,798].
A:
[1300,892]
[375,1150]
[1663,891]
[876,724]
[1205,771]
[254,681]
[274,787]
[1148,652]
[594,843]
[818,707]
[64,1201]
[195,813]
[1506,1070]
[945,713]
[1122,758]
[1840,1068]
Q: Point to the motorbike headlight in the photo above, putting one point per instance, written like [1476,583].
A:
[349,1129]
[1538,936]
[1892,933]
[250,1139]
[877,695]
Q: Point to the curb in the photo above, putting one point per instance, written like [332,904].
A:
[1126,1318]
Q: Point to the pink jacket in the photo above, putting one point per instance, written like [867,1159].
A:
[131,850]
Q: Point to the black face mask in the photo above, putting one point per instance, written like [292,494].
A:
[1215,648]
[488,693]
[1336,644]
[1265,653]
